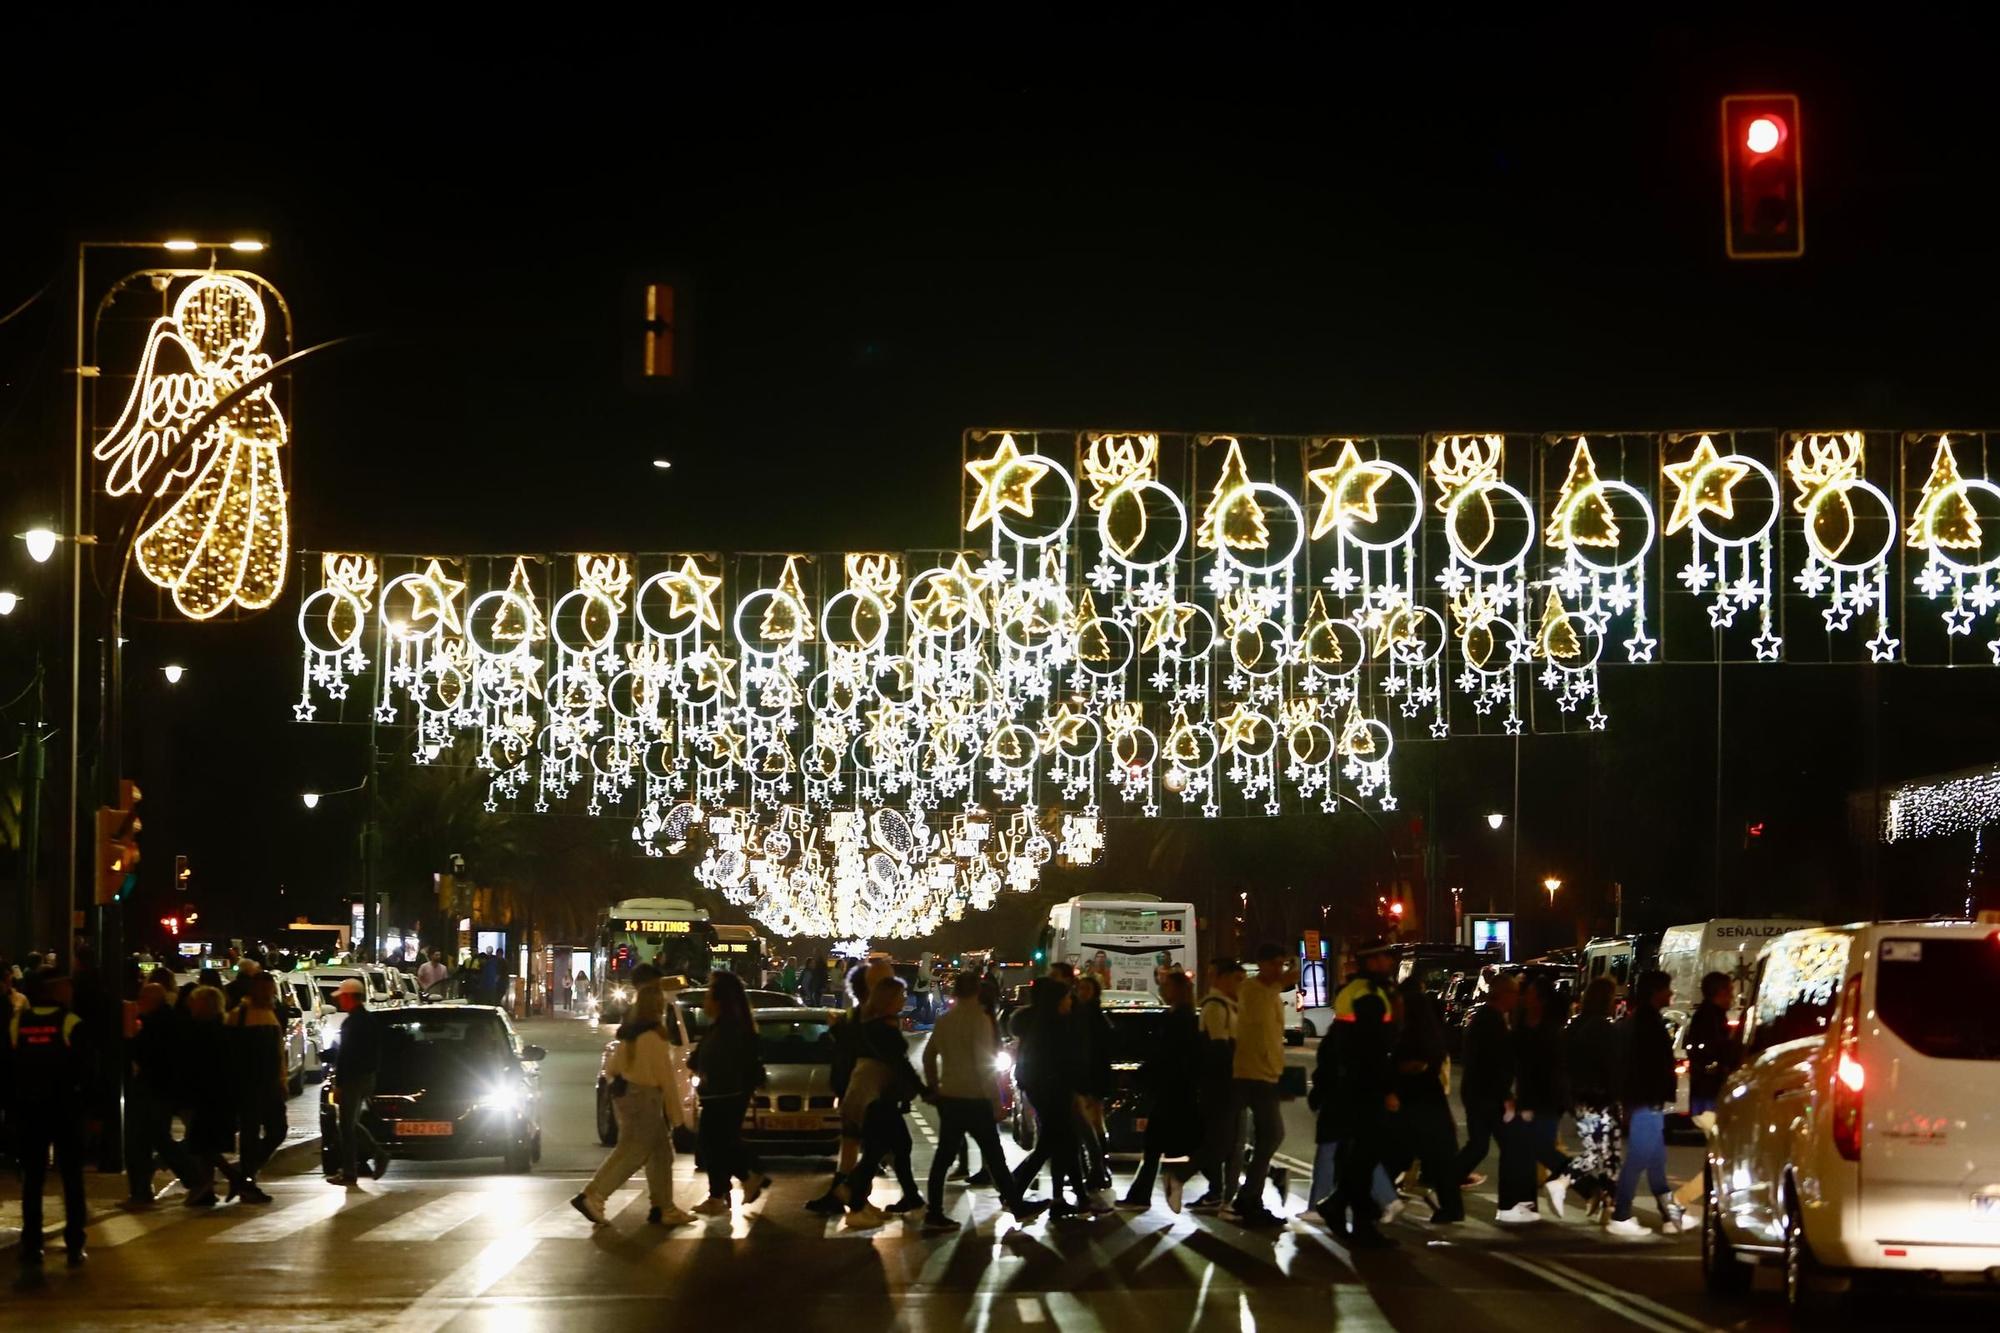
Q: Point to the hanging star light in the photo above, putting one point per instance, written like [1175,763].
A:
[1166,624]
[1348,489]
[1006,482]
[1705,483]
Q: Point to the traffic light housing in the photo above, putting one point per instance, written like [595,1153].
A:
[1763,200]
[118,845]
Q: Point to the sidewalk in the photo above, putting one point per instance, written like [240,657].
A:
[105,1191]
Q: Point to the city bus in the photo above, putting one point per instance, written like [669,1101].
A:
[1124,940]
[670,933]
[738,949]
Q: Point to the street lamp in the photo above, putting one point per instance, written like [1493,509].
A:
[1552,883]
[41,544]
[8,601]
[663,463]
[173,671]
[1495,820]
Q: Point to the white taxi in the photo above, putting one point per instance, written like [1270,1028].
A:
[1861,1136]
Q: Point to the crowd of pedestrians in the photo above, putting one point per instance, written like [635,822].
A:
[208,1053]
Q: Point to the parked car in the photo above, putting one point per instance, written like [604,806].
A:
[1861,1136]
[456,1081]
[300,992]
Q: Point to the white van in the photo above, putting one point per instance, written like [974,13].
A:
[1725,945]
[1862,1133]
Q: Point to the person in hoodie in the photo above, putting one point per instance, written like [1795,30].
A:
[1713,1050]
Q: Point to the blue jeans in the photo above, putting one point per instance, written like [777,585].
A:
[1323,1179]
[1645,1150]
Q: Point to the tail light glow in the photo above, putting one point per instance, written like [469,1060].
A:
[1850,1073]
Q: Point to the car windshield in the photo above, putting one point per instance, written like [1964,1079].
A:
[427,1050]
[802,1042]
[1942,996]
[1133,1033]
[696,1017]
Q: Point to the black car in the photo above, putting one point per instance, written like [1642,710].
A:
[456,1081]
[1135,1030]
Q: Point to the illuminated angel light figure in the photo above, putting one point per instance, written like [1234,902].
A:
[1953,522]
[1844,563]
[225,540]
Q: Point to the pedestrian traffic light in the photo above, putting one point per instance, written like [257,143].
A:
[118,845]
[1762,195]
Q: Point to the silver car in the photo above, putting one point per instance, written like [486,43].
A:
[795,1113]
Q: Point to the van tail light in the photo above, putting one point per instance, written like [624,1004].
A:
[1850,1080]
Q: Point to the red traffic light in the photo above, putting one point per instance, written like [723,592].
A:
[1763,134]
[1762,186]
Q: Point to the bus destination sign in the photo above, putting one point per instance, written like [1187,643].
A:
[642,926]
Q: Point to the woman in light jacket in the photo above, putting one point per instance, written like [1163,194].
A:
[644,1085]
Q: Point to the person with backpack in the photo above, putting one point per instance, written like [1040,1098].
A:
[49,1069]
[731,1066]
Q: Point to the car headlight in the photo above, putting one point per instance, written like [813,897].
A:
[508,1099]
[1003,1062]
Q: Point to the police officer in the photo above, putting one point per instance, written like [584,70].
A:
[1363,1095]
[49,1068]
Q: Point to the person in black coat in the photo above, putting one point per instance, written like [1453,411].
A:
[1356,1110]
[1171,1077]
[1648,1092]
[1541,1097]
[211,1095]
[1592,1048]
[1713,1050]
[1486,1087]
[1422,1126]
[154,1096]
[1095,1081]
[1048,1072]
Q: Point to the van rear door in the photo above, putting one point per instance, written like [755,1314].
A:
[1930,1055]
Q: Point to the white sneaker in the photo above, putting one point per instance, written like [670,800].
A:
[1173,1194]
[1629,1227]
[1393,1210]
[677,1216]
[713,1208]
[1558,1188]
[1681,1225]
[753,1188]
[868,1215]
[1519,1214]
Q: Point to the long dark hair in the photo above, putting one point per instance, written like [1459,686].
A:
[732,1006]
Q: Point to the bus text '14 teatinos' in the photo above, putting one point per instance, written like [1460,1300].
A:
[1124,940]
[671,934]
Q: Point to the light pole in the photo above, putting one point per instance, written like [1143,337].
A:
[41,544]
[368,923]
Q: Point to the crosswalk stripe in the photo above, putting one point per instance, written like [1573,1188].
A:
[448,1299]
[294,1217]
[431,1220]
[122,1227]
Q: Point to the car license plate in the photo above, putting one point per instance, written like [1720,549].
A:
[788,1124]
[419,1129]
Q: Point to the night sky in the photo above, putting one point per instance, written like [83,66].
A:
[886,233]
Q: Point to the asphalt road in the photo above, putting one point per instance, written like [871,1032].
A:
[465,1246]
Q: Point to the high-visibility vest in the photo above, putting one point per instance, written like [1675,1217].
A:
[1343,1003]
